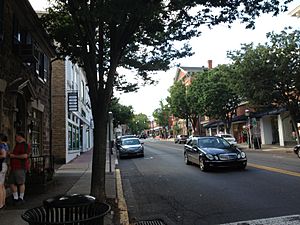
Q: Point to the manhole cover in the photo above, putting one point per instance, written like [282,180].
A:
[150,222]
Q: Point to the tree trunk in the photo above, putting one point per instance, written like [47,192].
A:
[296,128]
[187,125]
[99,155]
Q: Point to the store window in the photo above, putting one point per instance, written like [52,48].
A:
[35,130]
[73,137]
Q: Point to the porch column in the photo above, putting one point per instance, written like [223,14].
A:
[280,131]
[266,130]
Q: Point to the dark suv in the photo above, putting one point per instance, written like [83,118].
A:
[181,138]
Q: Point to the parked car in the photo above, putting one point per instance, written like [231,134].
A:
[213,151]
[297,150]
[120,138]
[180,139]
[229,138]
[131,147]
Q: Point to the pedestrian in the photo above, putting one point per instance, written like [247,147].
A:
[19,165]
[3,168]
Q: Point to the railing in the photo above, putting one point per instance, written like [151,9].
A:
[41,169]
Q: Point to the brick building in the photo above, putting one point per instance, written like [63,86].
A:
[25,53]
[72,121]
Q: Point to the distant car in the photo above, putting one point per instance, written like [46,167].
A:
[180,139]
[297,150]
[229,138]
[144,136]
[212,151]
[131,147]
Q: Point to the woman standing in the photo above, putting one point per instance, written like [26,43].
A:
[3,168]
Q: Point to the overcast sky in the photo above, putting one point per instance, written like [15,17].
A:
[213,44]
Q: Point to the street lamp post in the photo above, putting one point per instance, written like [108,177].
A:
[249,134]
[110,117]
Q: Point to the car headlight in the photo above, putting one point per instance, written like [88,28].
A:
[209,156]
[239,156]
[243,154]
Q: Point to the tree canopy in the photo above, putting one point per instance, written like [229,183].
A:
[161,115]
[139,124]
[214,95]
[136,34]
[268,75]
[122,114]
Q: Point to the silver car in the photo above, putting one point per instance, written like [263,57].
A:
[229,138]
[131,147]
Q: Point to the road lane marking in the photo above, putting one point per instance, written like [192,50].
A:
[282,220]
[272,169]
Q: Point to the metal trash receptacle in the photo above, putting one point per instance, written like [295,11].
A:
[76,209]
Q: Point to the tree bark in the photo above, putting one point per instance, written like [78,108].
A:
[99,154]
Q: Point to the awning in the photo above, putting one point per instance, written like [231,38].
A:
[23,87]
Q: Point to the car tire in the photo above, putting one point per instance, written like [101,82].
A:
[242,167]
[186,159]
[298,152]
[203,166]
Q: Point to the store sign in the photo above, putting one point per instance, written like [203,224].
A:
[72,101]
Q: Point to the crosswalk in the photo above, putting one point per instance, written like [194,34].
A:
[282,220]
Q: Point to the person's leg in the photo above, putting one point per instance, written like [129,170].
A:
[13,186]
[20,180]
[2,203]
[22,191]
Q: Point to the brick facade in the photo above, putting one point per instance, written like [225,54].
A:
[59,145]
[25,55]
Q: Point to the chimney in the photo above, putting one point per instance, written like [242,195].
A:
[209,64]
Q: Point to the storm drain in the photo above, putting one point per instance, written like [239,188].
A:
[150,222]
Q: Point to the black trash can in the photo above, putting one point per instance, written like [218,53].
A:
[76,209]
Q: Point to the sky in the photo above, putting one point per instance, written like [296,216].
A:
[213,45]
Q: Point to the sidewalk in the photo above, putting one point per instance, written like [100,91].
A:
[74,177]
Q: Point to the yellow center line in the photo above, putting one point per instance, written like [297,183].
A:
[272,169]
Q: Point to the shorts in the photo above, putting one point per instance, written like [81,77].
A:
[17,177]
[3,173]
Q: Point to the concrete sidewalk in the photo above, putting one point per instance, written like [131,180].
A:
[74,177]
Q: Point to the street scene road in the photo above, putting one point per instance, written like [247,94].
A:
[161,187]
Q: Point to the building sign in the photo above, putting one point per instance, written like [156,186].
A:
[73,101]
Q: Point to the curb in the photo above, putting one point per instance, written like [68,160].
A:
[124,218]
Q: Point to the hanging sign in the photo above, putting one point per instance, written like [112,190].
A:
[72,101]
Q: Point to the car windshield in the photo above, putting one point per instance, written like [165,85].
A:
[213,143]
[131,142]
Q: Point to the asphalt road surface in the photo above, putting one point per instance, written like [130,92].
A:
[160,187]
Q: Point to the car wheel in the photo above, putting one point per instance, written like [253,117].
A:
[242,167]
[203,166]
[298,152]
[186,159]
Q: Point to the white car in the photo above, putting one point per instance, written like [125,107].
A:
[229,138]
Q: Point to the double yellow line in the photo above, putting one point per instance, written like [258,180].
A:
[272,169]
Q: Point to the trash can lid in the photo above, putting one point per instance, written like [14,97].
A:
[61,201]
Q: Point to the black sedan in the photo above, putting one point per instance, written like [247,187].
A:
[131,147]
[297,150]
[213,151]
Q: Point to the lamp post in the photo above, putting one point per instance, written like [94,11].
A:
[249,135]
[110,117]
